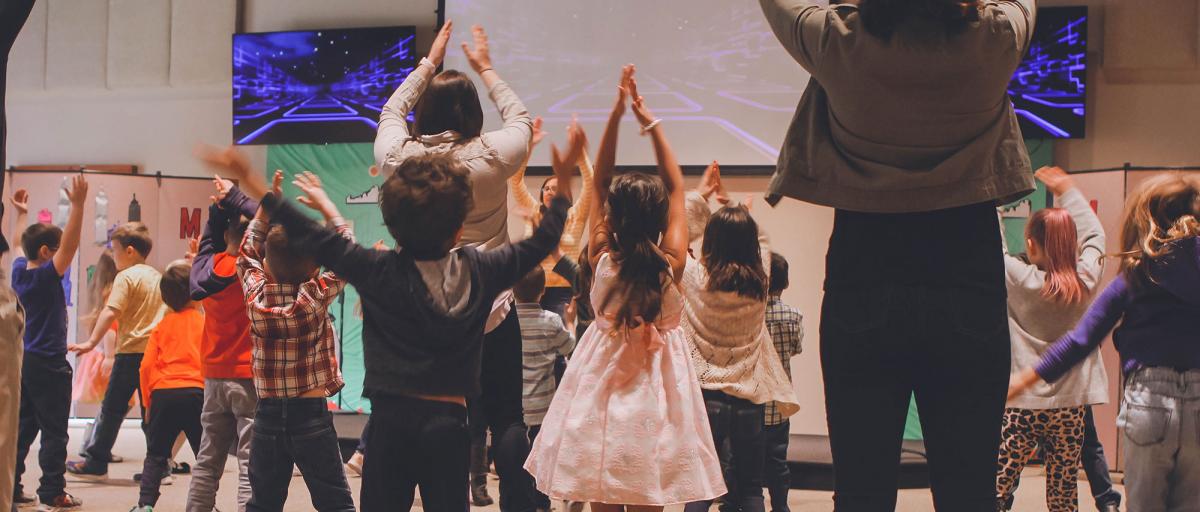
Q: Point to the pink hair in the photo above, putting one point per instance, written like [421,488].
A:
[1053,230]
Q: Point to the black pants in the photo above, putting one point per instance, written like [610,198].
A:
[502,380]
[296,432]
[543,501]
[362,438]
[45,408]
[13,14]
[416,443]
[124,381]
[737,426]
[555,300]
[1096,466]
[171,411]
[915,303]
[776,476]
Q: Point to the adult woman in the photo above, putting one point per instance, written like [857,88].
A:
[906,130]
[448,118]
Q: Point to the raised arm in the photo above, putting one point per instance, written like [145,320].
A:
[580,212]
[521,194]
[20,203]
[512,141]
[393,119]
[203,281]
[674,243]
[801,27]
[77,194]
[354,263]
[606,158]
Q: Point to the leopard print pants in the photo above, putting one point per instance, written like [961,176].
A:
[1060,434]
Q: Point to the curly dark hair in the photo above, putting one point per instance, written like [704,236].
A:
[425,203]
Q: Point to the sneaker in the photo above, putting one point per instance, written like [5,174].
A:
[82,470]
[167,480]
[180,468]
[63,501]
[479,494]
[142,508]
[22,500]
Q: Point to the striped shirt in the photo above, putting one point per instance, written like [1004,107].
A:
[787,331]
[543,339]
[293,338]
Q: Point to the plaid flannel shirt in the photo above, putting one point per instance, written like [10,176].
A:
[293,338]
[787,331]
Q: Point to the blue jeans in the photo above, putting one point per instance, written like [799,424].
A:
[124,381]
[1096,466]
[296,432]
[1161,420]
[776,475]
[737,429]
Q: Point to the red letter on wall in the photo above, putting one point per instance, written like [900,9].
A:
[189,225]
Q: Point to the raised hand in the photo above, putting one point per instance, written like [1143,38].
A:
[479,57]
[437,52]
[640,110]
[77,190]
[623,89]
[277,183]
[20,201]
[232,163]
[710,181]
[223,187]
[314,194]
[538,132]
[1056,179]
[192,249]
[564,163]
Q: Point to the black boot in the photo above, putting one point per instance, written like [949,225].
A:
[479,472]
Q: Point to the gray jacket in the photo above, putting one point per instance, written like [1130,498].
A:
[907,125]
[1035,323]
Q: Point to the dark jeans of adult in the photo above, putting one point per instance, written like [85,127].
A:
[171,411]
[502,381]
[1095,465]
[915,303]
[13,14]
[45,408]
[296,432]
[416,444]
[776,476]
[737,426]
[124,381]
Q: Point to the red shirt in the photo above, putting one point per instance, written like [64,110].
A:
[172,358]
[226,346]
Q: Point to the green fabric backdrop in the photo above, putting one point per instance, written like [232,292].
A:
[344,170]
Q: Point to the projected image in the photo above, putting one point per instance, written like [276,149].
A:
[323,86]
[1048,88]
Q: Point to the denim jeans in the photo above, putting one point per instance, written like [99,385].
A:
[296,432]
[45,408]
[915,303]
[1095,465]
[228,422]
[776,475]
[1161,420]
[415,444]
[739,422]
[124,381]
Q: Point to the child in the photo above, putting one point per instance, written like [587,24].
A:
[1156,299]
[229,395]
[1049,288]
[37,277]
[424,309]
[136,305]
[627,426]
[786,326]
[295,367]
[171,384]
[544,338]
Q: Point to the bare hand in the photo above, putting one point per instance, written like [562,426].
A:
[538,132]
[277,183]
[1056,180]
[223,187]
[564,164]
[379,245]
[77,190]
[20,201]
[232,163]
[623,88]
[571,313]
[479,57]
[437,52]
[710,181]
[193,248]
[314,194]
[640,110]
[80,348]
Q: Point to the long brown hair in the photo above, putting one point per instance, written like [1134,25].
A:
[1163,210]
[882,18]
[636,218]
[450,102]
[732,255]
[1054,232]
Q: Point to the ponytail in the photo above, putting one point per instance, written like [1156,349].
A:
[1053,230]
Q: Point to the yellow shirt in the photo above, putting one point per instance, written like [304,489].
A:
[139,306]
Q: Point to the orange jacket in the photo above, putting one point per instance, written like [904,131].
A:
[172,358]
[226,345]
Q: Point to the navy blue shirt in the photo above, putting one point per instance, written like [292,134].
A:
[41,292]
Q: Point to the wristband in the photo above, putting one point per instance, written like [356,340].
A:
[485,70]
[426,62]
[646,129]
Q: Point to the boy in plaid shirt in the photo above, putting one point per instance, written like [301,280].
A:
[787,331]
[295,366]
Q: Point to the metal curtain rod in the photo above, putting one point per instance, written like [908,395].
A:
[1130,167]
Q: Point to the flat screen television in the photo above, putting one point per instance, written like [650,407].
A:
[1049,88]
[318,86]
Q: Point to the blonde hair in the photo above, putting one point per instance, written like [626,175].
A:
[1163,210]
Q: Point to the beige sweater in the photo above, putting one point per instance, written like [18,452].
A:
[731,347]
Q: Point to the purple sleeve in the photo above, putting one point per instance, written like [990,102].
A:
[203,281]
[1087,335]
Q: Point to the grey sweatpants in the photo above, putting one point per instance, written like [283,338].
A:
[227,419]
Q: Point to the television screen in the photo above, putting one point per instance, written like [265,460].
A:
[1048,89]
[321,86]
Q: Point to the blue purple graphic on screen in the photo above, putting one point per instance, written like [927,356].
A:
[325,86]
[1048,89]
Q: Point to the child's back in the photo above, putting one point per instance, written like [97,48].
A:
[139,306]
[41,292]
